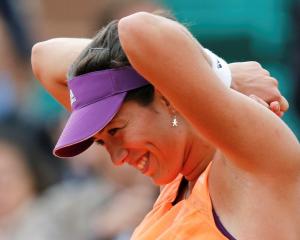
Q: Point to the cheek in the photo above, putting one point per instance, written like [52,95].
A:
[148,129]
[141,131]
[134,139]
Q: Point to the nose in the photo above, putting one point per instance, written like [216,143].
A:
[118,155]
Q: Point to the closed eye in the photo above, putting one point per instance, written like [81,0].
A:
[100,142]
[113,131]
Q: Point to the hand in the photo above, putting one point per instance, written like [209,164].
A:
[251,79]
[274,106]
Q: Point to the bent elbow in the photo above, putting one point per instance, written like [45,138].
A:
[134,29]
[37,55]
[134,22]
[35,52]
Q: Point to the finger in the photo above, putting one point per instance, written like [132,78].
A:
[280,114]
[284,104]
[275,106]
[266,72]
[259,100]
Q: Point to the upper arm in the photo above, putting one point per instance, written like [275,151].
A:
[250,135]
[51,61]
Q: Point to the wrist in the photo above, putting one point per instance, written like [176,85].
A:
[234,85]
[220,68]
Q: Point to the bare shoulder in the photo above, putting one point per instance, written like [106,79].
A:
[231,186]
[238,195]
[253,138]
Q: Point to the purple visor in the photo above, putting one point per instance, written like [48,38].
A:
[96,97]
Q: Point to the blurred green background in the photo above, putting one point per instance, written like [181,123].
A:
[241,30]
[266,31]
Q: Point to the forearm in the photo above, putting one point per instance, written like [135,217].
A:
[51,61]
[178,58]
[184,77]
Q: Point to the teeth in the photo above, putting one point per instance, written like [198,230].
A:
[141,165]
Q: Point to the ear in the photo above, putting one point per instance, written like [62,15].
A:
[161,98]
[165,102]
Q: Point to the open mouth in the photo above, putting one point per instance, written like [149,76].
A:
[143,163]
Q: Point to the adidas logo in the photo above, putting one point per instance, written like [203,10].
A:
[219,65]
[72,97]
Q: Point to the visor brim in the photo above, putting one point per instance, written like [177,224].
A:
[84,123]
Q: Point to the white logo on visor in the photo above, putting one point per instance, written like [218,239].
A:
[72,97]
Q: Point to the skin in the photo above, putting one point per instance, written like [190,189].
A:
[260,91]
[256,166]
[51,75]
[127,139]
[228,121]
[248,78]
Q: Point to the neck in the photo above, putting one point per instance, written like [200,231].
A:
[198,156]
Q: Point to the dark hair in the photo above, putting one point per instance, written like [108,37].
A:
[105,52]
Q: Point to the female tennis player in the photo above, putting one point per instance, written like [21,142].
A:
[147,91]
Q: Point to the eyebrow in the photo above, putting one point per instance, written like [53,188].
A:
[113,121]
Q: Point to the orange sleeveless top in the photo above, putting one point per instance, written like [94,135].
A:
[191,218]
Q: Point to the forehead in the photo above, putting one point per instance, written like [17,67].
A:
[125,112]
[130,111]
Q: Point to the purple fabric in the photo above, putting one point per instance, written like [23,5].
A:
[96,86]
[220,226]
[96,97]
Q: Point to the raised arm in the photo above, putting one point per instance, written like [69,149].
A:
[50,63]
[252,137]
[51,60]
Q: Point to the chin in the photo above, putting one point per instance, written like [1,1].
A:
[163,181]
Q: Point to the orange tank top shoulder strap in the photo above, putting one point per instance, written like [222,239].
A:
[200,197]
[169,192]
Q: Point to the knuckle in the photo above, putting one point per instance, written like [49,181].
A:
[256,64]
[276,95]
[266,72]
[275,81]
